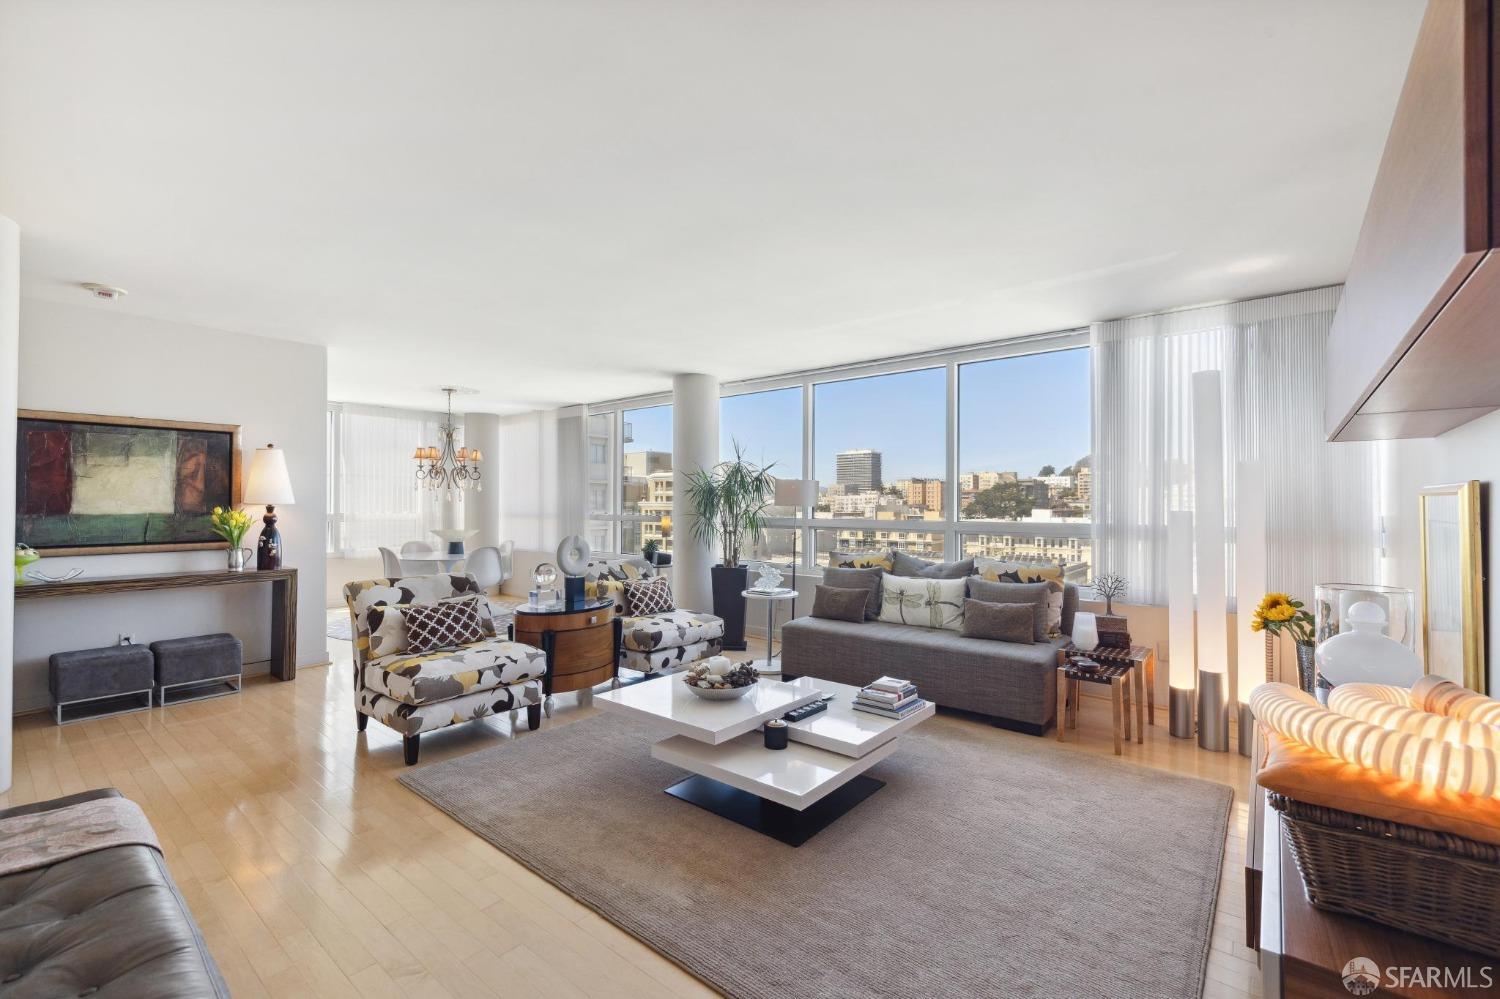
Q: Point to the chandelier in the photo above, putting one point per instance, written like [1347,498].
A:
[449,467]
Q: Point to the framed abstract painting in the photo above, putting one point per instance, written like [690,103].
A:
[98,485]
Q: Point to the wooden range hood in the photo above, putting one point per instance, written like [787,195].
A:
[1415,345]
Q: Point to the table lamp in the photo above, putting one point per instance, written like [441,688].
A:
[267,482]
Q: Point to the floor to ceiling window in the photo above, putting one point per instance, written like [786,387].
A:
[1024,443]
[983,450]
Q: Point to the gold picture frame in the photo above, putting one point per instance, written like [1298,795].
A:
[226,434]
[1453,584]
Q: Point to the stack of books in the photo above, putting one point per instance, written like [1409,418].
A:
[889,697]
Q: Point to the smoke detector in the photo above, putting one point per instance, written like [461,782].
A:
[107,292]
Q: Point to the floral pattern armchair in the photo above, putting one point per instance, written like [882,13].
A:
[417,693]
[656,642]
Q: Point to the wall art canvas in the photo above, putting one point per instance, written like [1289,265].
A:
[88,485]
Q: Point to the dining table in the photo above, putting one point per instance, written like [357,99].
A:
[447,561]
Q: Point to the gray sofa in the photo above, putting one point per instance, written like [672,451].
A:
[1015,685]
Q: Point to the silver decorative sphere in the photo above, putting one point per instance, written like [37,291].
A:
[544,576]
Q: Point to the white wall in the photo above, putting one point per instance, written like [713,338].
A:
[10,300]
[1471,451]
[89,360]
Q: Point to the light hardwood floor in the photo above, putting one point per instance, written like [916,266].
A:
[313,872]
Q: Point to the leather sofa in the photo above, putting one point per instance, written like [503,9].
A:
[110,923]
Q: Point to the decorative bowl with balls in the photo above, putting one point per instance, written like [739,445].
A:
[718,679]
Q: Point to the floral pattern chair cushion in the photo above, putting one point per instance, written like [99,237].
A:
[671,659]
[437,676]
[670,629]
[414,719]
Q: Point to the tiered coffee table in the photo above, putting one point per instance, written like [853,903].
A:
[788,794]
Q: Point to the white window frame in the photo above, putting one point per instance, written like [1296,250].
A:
[951,526]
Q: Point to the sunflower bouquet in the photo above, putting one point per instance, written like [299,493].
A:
[230,525]
[1279,614]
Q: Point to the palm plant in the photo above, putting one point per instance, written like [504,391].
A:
[728,501]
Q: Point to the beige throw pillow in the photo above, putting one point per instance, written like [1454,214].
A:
[922,603]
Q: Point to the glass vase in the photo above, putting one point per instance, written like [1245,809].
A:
[1307,668]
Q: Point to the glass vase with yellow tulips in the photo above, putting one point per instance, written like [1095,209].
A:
[231,525]
[1279,614]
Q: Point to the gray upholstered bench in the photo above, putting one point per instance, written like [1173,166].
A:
[110,681]
[188,669]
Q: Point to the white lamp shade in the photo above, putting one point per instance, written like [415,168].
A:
[797,492]
[267,481]
[1085,631]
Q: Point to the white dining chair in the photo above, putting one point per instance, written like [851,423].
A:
[391,564]
[415,548]
[484,565]
[507,556]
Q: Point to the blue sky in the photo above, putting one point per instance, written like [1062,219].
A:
[1016,415]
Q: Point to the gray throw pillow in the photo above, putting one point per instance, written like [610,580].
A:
[839,604]
[910,565]
[1034,594]
[998,622]
[867,580]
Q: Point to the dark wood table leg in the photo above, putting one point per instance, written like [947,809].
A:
[284,628]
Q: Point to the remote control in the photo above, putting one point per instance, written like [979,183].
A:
[806,711]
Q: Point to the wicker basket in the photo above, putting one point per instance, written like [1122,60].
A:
[1430,883]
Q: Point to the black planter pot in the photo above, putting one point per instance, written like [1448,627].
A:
[729,604]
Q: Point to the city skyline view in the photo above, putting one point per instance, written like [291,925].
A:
[1016,414]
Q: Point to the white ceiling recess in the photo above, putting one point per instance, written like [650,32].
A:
[563,201]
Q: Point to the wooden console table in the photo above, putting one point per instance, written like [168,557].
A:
[283,600]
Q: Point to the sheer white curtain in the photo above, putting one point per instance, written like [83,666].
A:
[373,496]
[1322,499]
[542,472]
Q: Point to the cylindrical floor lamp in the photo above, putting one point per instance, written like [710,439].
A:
[1208,522]
[1249,584]
[1182,664]
[802,494]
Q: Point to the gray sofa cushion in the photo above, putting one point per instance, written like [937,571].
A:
[858,579]
[839,604]
[1033,594]
[910,565]
[999,622]
[1005,680]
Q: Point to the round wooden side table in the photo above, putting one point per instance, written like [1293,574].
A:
[582,644]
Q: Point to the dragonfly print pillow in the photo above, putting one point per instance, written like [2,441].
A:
[922,603]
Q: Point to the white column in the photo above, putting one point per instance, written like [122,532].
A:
[695,445]
[10,341]
[482,509]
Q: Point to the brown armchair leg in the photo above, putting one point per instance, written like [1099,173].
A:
[411,745]
[533,716]
[361,719]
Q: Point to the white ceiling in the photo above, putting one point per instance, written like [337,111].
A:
[568,200]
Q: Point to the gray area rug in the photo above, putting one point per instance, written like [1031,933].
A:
[991,864]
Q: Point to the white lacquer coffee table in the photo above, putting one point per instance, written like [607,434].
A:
[788,794]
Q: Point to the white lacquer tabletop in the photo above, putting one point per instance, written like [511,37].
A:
[796,776]
[668,702]
[841,729]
